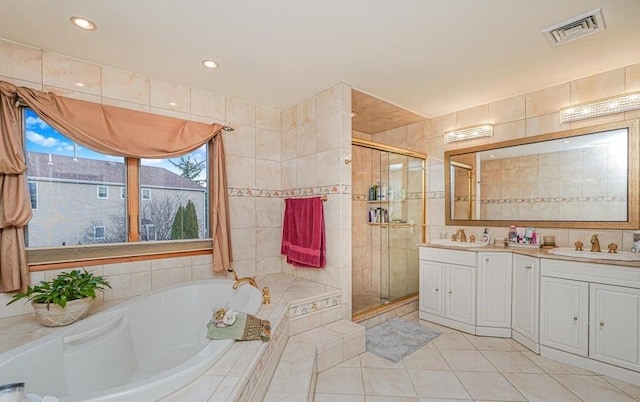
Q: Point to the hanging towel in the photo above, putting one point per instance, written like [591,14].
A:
[303,239]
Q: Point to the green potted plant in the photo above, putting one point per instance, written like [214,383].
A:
[65,299]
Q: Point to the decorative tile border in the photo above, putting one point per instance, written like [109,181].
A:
[409,196]
[314,306]
[435,195]
[604,198]
[298,192]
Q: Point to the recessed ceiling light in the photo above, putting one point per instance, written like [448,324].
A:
[492,156]
[172,104]
[79,84]
[566,141]
[210,64]
[83,23]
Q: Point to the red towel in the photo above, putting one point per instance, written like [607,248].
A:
[303,232]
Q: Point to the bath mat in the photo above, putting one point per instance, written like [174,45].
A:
[398,338]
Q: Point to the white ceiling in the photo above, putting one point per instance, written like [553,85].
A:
[429,56]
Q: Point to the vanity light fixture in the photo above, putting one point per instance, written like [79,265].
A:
[83,23]
[601,107]
[210,63]
[461,134]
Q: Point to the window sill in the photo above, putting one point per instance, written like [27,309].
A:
[48,258]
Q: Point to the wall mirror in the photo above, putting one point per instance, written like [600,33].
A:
[582,178]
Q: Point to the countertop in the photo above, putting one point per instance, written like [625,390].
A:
[538,253]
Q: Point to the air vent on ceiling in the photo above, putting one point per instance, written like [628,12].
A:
[577,27]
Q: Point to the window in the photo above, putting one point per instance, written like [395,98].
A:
[71,184]
[103,192]
[75,181]
[99,232]
[33,194]
[179,208]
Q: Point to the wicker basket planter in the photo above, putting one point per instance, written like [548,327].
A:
[53,315]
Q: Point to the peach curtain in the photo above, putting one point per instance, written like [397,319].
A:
[15,205]
[106,129]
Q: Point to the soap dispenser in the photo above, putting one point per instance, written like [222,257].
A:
[485,236]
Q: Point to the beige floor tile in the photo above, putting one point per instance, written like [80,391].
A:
[466,360]
[374,361]
[553,366]
[511,362]
[425,359]
[540,387]
[292,377]
[437,384]
[488,343]
[453,341]
[337,398]
[340,380]
[517,346]
[391,399]
[285,397]
[631,389]
[387,382]
[592,388]
[433,325]
[353,362]
[489,386]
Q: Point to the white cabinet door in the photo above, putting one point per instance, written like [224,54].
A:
[460,304]
[432,287]
[564,310]
[525,296]
[615,325]
[494,290]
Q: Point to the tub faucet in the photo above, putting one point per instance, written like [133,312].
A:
[595,244]
[238,281]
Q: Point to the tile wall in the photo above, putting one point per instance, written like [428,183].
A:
[316,140]
[528,115]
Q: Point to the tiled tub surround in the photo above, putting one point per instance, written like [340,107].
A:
[245,371]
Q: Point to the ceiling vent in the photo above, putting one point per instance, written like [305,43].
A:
[577,27]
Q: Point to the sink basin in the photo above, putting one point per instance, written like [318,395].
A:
[461,244]
[619,256]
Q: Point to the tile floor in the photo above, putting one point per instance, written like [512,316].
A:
[463,367]
[365,301]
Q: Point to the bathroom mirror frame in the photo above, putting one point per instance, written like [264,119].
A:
[633,161]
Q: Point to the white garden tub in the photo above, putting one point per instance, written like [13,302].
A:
[140,350]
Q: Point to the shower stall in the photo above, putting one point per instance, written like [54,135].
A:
[388,219]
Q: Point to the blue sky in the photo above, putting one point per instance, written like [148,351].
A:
[43,138]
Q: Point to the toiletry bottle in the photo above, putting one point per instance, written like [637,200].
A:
[377,187]
[383,192]
[485,236]
[372,193]
[513,234]
[402,193]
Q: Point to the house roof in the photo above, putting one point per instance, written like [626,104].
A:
[61,167]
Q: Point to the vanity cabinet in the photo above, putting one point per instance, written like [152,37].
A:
[564,314]
[615,325]
[466,290]
[494,292]
[447,287]
[525,300]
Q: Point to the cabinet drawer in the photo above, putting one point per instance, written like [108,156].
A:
[457,257]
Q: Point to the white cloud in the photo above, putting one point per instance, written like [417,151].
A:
[35,121]
[41,140]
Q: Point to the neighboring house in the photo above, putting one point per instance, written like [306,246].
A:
[82,201]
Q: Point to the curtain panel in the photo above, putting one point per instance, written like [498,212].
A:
[107,129]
